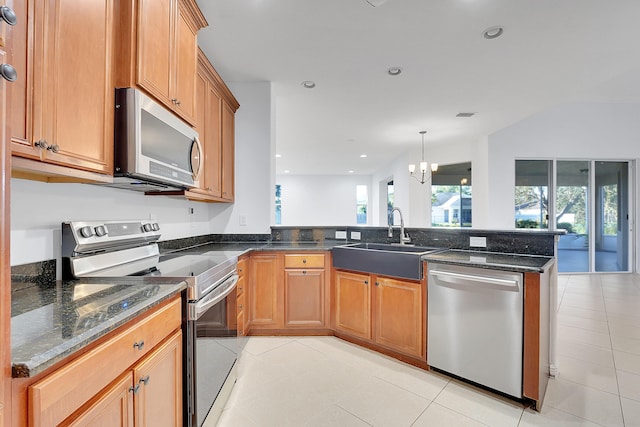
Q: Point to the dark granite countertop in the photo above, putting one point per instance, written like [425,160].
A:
[323,245]
[490,260]
[51,321]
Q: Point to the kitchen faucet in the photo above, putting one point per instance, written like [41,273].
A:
[404,238]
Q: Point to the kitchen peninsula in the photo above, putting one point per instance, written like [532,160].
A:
[291,288]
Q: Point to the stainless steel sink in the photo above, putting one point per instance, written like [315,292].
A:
[393,260]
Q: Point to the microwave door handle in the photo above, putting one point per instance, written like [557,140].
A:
[196,159]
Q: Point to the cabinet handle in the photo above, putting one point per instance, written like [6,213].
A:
[304,261]
[8,15]
[139,344]
[240,307]
[240,289]
[42,144]
[377,284]
[144,380]
[54,148]
[173,100]
[366,282]
[304,271]
[8,72]
[135,388]
[177,102]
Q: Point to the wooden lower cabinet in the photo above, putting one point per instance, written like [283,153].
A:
[288,292]
[353,303]
[265,299]
[116,383]
[114,407]
[304,293]
[398,313]
[383,311]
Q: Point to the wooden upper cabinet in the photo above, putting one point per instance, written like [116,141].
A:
[186,57]
[215,123]
[228,152]
[167,51]
[64,99]
[155,46]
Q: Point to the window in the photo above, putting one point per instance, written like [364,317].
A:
[278,205]
[361,204]
[451,196]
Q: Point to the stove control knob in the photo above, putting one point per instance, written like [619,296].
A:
[155,226]
[147,227]
[101,230]
[86,231]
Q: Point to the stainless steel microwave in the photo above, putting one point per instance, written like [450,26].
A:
[154,149]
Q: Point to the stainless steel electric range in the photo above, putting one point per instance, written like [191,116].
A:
[126,248]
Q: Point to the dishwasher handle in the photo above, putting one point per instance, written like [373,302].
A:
[460,278]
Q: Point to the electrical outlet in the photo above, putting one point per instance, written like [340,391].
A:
[341,235]
[243,219]
[355,235]
[478,242]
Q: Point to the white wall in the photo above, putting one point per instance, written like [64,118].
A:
[38,209]
[320,200]
[254,180]
[579,131]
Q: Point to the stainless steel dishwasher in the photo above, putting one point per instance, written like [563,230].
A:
[475,325]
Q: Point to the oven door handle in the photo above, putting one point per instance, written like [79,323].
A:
[214,297]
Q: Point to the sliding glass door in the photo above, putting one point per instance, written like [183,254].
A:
[589,199]
[572,214]
[611,231]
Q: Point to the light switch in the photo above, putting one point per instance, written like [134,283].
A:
[243,219]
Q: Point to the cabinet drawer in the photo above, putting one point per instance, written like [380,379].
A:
[304,261]
[58,395]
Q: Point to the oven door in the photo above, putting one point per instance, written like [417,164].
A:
[213,351]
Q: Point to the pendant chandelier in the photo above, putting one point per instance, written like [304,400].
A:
[423,165]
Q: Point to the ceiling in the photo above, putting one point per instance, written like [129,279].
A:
[551,52]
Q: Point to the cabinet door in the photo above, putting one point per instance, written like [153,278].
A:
[23,92]
[398,315]
[213,144]
[155,46]
[186,51]
[78,78]
[158,401]
[228,147]
[353,304]
[64,97]
[264,300]
[113,408]
[304,298]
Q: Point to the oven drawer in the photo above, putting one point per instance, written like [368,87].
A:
[304,261]
[54,398]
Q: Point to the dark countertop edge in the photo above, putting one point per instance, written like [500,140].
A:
[440,256]
[466,230]
[42,361]
[435,256]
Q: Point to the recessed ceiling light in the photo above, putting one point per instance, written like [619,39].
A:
[394,71]
[465,114]
[278,155]
[351,171]
[286,171]
[493,32]
[308,84]
[363,155]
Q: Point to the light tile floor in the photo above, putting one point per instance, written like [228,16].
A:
[325,381]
